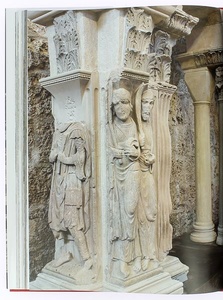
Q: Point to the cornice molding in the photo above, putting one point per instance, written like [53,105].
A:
[68,76]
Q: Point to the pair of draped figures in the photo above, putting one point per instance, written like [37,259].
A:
[132,196]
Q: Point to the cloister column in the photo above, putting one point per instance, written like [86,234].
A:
[200,84]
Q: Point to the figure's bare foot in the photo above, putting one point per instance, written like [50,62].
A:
[145,263]
[88,264]
[137,265]
[124,269]
[62,260]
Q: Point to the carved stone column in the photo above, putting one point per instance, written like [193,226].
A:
[203,227]
[219,96]
[108,69]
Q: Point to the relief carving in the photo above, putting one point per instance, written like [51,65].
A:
[138,41]
[70,108]
[138,30]
[147,206]
[66,43]
[136,60]
[125,191]
[161,44]
[140,20]
[69,199]
[209,58]
[133,198]
[180,22]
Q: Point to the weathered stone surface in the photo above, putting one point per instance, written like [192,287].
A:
[40,127]
[214,113]
[181,120]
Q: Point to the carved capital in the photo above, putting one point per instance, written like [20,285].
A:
[138,19]
[66,43]
[179,23]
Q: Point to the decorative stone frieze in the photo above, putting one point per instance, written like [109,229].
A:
[209,58]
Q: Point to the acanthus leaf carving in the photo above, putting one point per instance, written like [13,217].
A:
[140,20]
[154,67]
[161,43]
[135,60]
[138,40]
[66,43]
[179,23]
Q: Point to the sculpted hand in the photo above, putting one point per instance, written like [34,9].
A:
[132,153]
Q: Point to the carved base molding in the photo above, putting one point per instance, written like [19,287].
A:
[175,268]
[203,233]
[49,280]
[158,284]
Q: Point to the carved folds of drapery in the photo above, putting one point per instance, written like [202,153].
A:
[131,204]
[66,42]
[152,63]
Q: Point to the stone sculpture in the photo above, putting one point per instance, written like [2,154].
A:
[69,199]
[147,208]
[126,189]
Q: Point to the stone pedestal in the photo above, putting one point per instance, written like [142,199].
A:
[110,201]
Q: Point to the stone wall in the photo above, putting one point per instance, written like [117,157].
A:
[40,128]
[182,185]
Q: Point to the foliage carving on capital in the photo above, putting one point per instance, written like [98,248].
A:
[138,40]
[140,20]
[66,42]
[180,23]
[161,43]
